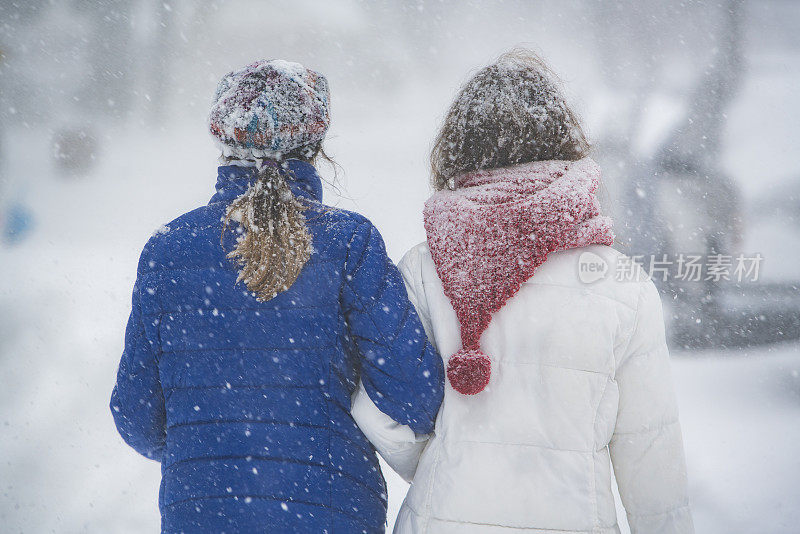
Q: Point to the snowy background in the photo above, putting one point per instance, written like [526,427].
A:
[103,139]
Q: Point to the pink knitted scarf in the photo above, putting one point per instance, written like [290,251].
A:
[489,235]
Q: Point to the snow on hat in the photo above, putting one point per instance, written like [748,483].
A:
[269,108]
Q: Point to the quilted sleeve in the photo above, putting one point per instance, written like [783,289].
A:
[137,402]
[647,448]
[401,372]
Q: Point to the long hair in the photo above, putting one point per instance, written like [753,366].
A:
[508,113]
[273,243]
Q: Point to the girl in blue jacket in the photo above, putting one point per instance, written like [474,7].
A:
[253,320]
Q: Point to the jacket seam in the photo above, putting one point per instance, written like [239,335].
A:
[257,458]
[595,508]
[383,339]
[251,349]
[402,323]
[330,439]
[429,497]
[565,286]
[633,328]
[335,432]
[242,386]
[536,445]
[270,498]
[414,272]
[589,290]
[248,421]
[429,517]
[349,249]
[285,309]
[632,357]
[556,366]
[332,470]
[673,509]
[375,299]
[597,411]
[345,273]
[649,429]
[221,267]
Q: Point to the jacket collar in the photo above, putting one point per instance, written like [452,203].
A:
[302,177]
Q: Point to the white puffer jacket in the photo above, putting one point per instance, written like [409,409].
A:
[580,381]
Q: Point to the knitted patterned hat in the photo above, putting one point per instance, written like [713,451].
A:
[269,108]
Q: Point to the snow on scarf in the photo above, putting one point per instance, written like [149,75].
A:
[489,235]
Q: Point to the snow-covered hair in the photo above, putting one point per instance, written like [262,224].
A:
[508,113]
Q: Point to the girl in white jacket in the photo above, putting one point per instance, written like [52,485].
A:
[554,342]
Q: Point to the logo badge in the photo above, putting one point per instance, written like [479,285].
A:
[591,268]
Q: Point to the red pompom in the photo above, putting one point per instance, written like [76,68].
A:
[469,371]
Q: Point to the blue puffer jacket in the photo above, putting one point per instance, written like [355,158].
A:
[247,404]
